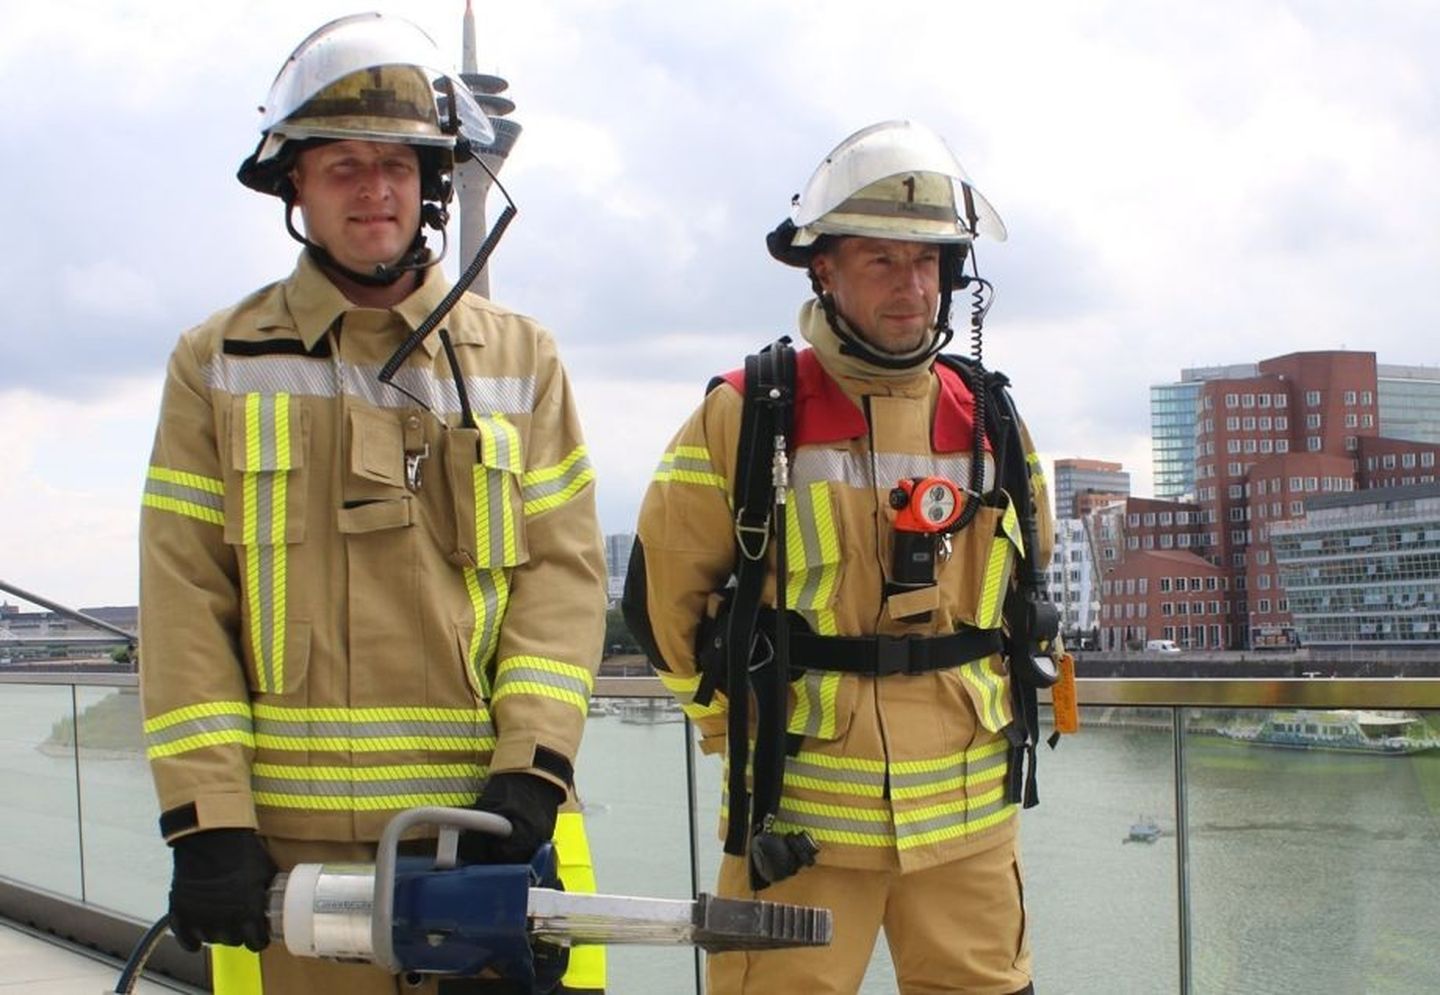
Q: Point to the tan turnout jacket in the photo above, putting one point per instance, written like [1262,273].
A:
[323,643]
[901,771]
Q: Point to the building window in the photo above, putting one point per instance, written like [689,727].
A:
[1133,520]
[1267,445]
[1248,401]
[1407,460]
[1312,484]
[1312,398]
[1265,424]
[1164,585]
[1387,461]
[1263,582]
[1250,445]
[1248,424]
[1166,540]
[1232,446]
[1297,484]
[1132,542]
[1143,586]
[1282,424]
[1232,424]
[1367,421]
[1351,443]
[1264,400]
[1233,470]
[1166,518]
[1149,519]
[1349,397]
[1366,398]
[1352,421]
[1282,445]
[1105,588]
[1427,459]
[1265,606]
[1262,557]
[1297,508]
[1232,400]
[1312,421]
[1312,443]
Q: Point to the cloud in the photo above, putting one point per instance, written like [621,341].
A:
[1184,185]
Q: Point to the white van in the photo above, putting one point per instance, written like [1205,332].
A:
[1161,646]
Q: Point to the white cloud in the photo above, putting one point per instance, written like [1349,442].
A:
[1185,185]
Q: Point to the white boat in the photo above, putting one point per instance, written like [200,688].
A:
[649,711]
[1341,730]
[1143,830]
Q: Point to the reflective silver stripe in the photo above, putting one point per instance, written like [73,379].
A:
[316,378]
[874,781]
[970,819]
[558,485]
[534,675]
[188,495]
[808,558]
[875,829]
[302,784]
[853,469]
[197,727]
[301,729]
[489,595]
[965,769]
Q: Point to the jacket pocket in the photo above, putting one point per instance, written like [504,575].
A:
[265,486]
[265,514]
[981,565]
[812,552]
[483,466]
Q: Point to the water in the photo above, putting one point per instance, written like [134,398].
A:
[1308,871]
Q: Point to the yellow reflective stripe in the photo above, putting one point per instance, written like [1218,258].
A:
[953,819]
[689,465]
[995,711]
[200,741]
[1010,525]
[550,487]
[836,823]
[365,788]
[992,595]
[841,763]
[812,546]
[383,772]
[208,515]
[541,676]
[814,713]
[684,688]
[188,713]
[187,494]
[397,713]
[368,803]
[195,727]
[264,489]
[489,595]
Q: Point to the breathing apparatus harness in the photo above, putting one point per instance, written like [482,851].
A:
[747,648]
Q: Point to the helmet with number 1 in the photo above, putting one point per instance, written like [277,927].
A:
[895,179]
[368,77]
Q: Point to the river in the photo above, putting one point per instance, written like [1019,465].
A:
[1308,871]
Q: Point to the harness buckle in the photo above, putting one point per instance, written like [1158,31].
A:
[745,535]
[892,655]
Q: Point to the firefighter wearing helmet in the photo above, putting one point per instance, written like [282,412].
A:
[835,573]
[371,570]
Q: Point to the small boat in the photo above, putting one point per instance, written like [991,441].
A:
[1143,830]
[1339,730]
[650,711]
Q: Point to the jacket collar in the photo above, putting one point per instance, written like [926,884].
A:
[308,304]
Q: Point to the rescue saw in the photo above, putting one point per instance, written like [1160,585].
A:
[430,915]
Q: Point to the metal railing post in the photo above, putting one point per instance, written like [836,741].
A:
[1182,852]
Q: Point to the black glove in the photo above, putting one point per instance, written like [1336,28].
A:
[529,802]
[218,892]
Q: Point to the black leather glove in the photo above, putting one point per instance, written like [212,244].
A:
[218,892]
[529,802]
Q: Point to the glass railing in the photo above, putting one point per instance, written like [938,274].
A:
[1173,850]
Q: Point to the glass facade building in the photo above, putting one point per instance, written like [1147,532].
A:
[1363,569]
[1172,438]
[1409,399]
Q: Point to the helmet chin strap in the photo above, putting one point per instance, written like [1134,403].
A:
[852,344]
[416,257]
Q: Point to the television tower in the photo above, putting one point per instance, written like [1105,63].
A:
[471,181]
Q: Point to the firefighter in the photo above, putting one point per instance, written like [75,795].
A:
[899,762]
[359,594]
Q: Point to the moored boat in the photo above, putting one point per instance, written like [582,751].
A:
[1341,730]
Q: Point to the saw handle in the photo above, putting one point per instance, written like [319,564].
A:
[450,822]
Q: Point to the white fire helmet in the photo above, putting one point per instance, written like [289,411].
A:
[895,179]
[369,77]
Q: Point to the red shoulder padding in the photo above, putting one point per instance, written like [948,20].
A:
[954,428]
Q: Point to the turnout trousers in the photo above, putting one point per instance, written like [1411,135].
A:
[955,927]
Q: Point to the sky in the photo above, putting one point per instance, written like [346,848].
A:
[1184,185]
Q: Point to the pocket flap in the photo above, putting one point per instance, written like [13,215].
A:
[265,433]
[822,704]
[377,447]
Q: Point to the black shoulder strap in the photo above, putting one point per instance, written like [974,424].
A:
[767,414]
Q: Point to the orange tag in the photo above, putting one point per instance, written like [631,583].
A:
[1062,696]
